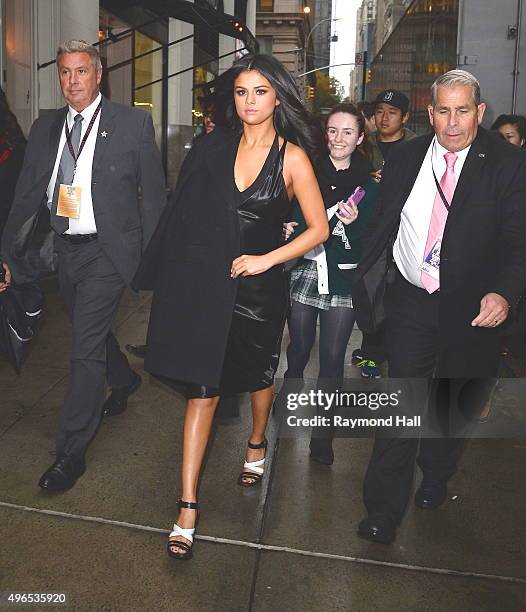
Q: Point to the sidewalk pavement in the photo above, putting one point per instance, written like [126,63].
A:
[289,545]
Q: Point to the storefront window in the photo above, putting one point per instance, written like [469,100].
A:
[422,47]
[148,69]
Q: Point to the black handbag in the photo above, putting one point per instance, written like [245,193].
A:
[34,243]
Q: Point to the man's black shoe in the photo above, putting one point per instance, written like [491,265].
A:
[117,402]
[430,496]
[63,474]
[378,529]
[137,350]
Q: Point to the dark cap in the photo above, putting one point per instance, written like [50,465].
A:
[394,98]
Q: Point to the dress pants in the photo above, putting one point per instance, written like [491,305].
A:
[413,352]
[91,289]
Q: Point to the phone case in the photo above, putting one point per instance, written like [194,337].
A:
[357,195]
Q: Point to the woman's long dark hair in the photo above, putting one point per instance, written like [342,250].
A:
[9,127]
[292,120]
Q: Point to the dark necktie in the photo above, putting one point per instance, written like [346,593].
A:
[65,175]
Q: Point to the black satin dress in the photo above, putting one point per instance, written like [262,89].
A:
[254,341]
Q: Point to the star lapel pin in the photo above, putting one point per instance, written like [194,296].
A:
[104,134]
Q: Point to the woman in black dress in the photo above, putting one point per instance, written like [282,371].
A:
[215,265]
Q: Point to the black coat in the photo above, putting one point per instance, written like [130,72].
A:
[484,243]
[188,266]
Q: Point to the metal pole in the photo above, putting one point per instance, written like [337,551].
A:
[516,66]
[364,75]
[306,47]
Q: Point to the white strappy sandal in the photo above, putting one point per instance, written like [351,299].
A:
[188,534]
[249,479]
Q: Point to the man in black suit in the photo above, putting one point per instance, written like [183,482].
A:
[87,162]
[450,234]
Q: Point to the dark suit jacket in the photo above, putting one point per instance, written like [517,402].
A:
[484,244]
[125,160]
[187,264]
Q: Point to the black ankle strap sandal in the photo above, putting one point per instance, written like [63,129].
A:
[253,470]
[180,532]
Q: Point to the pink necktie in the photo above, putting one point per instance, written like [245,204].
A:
[439,217]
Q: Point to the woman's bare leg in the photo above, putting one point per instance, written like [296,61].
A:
[261,406]
[198,420]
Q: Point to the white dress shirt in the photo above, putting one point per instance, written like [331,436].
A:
[85,224]
[410,243]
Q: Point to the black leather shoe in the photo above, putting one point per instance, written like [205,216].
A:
[137,350]
[63,474]
[378,529]
[430,496]
[117,402]
[321,451]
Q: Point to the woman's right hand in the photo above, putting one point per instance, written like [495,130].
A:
[288,229]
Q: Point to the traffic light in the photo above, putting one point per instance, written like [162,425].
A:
[310,92]
[368,75]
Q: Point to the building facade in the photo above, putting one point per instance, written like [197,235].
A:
[157,55]
[281,30]
[434,36]
[322,29]
[365,47]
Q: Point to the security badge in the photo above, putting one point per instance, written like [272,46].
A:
[431,263]
[69,198]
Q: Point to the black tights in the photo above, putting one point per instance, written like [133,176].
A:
[335,330]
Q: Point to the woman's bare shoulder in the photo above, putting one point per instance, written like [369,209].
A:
[295,154]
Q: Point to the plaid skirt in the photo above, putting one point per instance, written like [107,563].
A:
[304,288]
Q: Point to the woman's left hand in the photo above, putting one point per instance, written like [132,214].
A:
[347,213]
[249,265]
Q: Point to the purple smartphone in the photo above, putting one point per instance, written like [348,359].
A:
[355,198]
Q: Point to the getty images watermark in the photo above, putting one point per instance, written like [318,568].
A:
[412,408]
[331,402]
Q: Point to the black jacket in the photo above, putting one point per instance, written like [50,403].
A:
[126,159]
[484,243]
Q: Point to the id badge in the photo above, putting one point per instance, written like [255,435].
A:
[431,263]
[69,197]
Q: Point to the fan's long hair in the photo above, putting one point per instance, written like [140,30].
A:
[292,121]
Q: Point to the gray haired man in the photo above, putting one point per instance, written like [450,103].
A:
[451,226]
[87,162]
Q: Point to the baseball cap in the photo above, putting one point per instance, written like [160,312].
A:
[394,98]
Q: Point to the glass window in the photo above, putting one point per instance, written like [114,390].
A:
[423,46]
[265,6]
[265,44]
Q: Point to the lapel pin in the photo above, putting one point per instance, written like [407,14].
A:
[482,155]
[104,134]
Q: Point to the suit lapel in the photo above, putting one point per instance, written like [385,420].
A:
[55,132]
[413,165]
[104,133]
[471,170]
